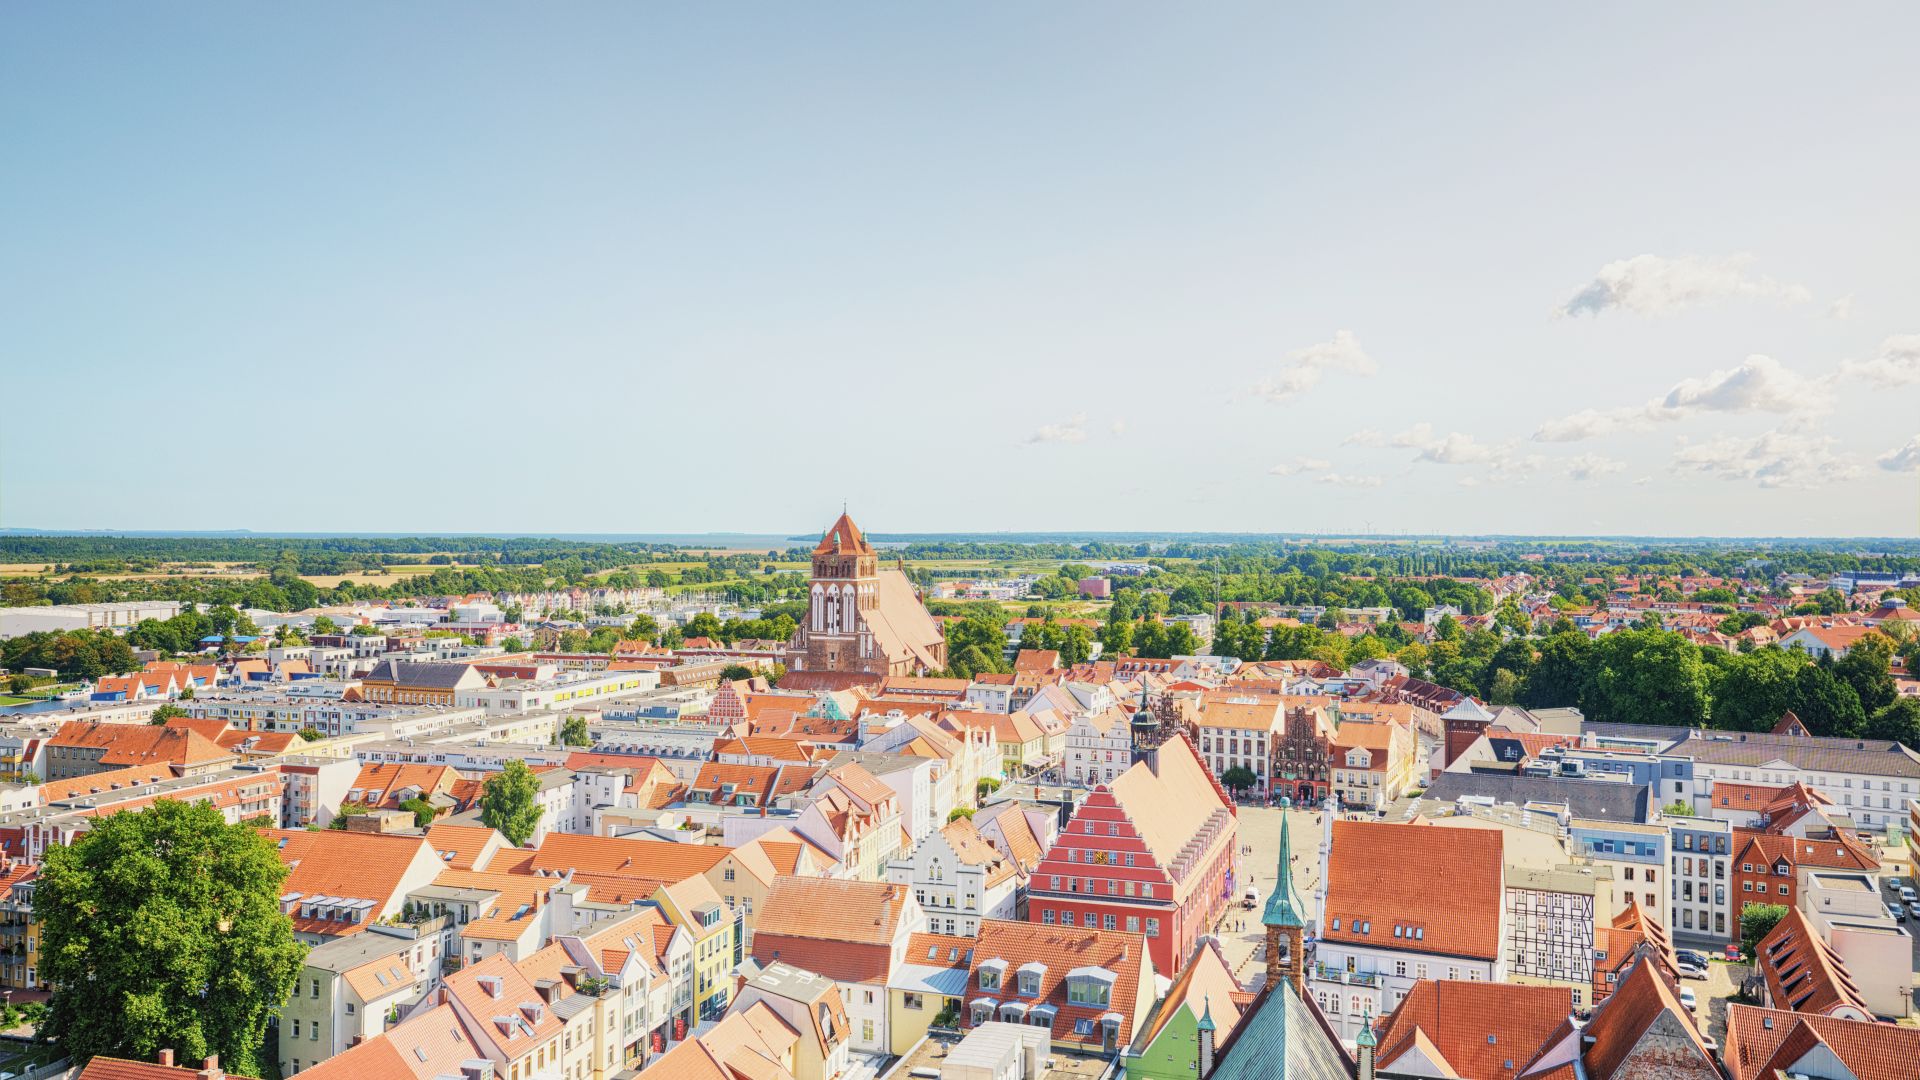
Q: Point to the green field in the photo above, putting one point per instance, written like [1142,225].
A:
[8,699]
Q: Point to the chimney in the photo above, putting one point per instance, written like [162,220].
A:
[210,1069]
[166,1058]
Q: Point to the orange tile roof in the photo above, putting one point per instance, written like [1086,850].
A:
[54,791]
[381,783]
[1488,1031]
[139,744]
[112,1068]
[465,843]
[939,950]
[841,929]
[509,1014]
[745,1045]
[1168,807]
[560,852]
[1764,1043]
[1802,972]
[1381,879]
[382,978]
[1643,999]
[363,866]
[1062,949]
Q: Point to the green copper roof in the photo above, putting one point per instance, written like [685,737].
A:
[1366,1030]
[1284,907]
[1206,1017]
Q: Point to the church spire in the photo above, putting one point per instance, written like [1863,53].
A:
[1284,907]
[1145,728]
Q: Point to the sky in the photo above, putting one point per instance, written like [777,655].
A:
[1465,268]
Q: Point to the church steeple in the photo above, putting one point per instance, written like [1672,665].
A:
[1145,728]
[1285,918]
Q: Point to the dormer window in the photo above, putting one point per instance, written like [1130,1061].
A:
[992,972]
[1030,978]
[1090,986]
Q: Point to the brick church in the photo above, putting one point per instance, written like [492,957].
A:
[863,617]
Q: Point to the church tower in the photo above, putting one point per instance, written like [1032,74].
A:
[1144,731]
[844,592]
[1286,922]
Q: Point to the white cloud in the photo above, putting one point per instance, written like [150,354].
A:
[1453,448]
[1344,480]
[1642,481]
[1841,308]
[1591,466]
[1365,437]
[1119,427]
[1761,384]
[1300,465]
[1469,481]
[1304,368]
[1073,431]
[1656,284]
[1897,363]
[1773,459]
[1904,459]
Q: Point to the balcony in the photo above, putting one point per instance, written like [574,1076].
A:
[1326,973]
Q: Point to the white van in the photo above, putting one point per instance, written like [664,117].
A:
[1250,899]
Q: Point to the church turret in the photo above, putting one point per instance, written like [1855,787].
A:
[1145,729]
[1366,1043]
[1286,920]
[1206,1039]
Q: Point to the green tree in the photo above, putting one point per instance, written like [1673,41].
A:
[573,732]
[1899,721]
[168,712]
[1648,677]
[1867,668]
[163,929]
[1560,673]
[1239,778]
[423,811]
[324,625]
[1751,690]
[959,812]
[510,802]
[366,630]
[1826,704]
[705,624]
[1756,922]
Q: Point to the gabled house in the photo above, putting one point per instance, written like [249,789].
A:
[1152,854]
[1642,1030]
[959,879]
[852,932]
[1091,989]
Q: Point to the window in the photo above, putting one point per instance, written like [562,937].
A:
[1046,917]
[1133,924]
[1153,927]
[1111,923]
[296,1027]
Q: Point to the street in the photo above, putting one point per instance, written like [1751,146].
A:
[1241,933]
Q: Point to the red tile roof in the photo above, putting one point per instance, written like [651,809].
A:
[1382,877]
[1488,1031]
[1764,1043]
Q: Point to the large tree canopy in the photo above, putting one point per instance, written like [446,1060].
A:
[162,929]
[510,802]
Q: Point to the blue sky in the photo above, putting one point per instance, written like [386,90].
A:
[649,268]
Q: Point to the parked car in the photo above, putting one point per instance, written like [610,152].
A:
[1906,895]
[1688,956]
[1898,911]
[1250,899]
[1687,998]
[1693,971]
[1893,884]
